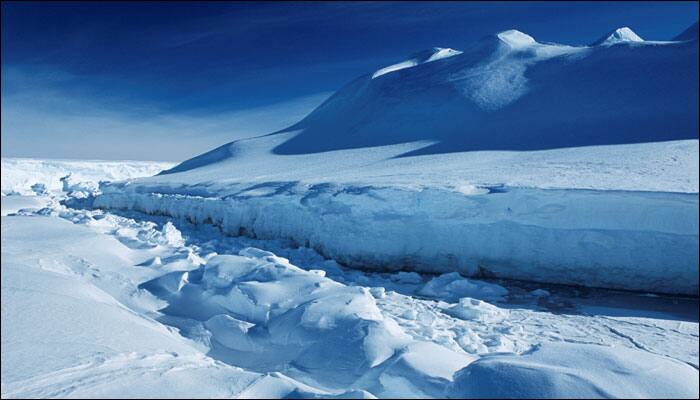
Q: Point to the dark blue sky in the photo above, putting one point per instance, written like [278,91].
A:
[202,74]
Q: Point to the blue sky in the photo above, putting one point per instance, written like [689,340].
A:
[167,81]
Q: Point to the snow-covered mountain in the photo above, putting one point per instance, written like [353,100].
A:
[509,92]
[510,158]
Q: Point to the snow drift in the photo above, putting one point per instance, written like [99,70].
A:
[412,167]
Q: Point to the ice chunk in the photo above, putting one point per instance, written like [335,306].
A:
[452,286]
[476,310]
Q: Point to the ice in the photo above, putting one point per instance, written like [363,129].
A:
[38,188]
[540,293]
[452,286]
[516,39]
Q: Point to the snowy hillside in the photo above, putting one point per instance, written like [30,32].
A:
[509,92]
[511,158]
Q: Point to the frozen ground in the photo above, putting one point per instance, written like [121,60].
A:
[133,305]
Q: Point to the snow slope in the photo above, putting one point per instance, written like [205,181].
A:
[689,34]
[63,335]
[513,159]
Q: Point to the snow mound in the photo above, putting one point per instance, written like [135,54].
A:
[266,313]
[567,370]
[619,35]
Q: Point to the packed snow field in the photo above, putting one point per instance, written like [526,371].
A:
[133,305]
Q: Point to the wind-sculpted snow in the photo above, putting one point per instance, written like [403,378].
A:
[265,314]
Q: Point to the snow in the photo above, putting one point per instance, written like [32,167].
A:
[510,92]
[639,240]
[476,310]
[446,166]
[452,286]
[689,34]
[413,237]
[619,35]
[63,335]
[516,39]
[154,306]
[565,370]
[19,174]
[437,53]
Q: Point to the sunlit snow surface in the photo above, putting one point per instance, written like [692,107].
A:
[121,303]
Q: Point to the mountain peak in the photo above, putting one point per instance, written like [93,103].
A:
[619,35]
[515,38]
